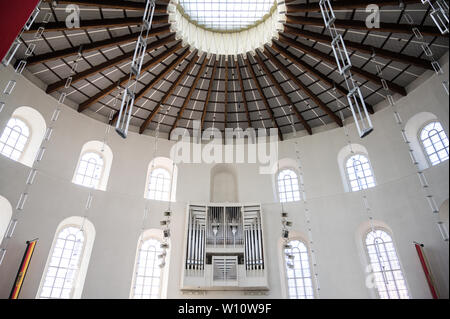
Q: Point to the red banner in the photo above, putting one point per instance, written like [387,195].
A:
[13,16]
[423,261]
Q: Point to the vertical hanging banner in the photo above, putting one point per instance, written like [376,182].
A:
[13,16]
[23,269]
[426,270]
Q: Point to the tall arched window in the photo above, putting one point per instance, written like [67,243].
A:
[14,139]
[64,264]
[23,135]
[159,186]
[68,260]
[385,265]
[94,165]
[5,216]
[161,180]
[89,171]
[300,284]
[435,143]
[359,173]
[147,278]
[288,188]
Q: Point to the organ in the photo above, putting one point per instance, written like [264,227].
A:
[224,248]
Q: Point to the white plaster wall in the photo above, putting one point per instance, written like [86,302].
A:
[337,216]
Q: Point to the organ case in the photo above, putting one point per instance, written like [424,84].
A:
[224,248]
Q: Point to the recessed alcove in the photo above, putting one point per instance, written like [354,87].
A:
[153,227]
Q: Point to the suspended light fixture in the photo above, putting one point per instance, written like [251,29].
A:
[126,109]
[355,97]
[439,14]
[443,230]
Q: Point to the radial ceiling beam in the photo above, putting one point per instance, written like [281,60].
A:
[114,4]
[331,60]
[395,56]
[226,94]
[343,5]
[282,92]
[85,105]
[157,108]
[158,78]
[361,25]
[261,93]
[189,96]
[304,88]
[98,24]
[244,98]
[88,47]
[306,67]
[166,71]
[107,65]
[310,70]
[208,95]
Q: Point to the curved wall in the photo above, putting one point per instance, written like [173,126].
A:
[337,215]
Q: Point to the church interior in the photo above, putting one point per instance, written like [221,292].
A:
[206,149]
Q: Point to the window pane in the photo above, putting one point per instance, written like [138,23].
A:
[298,273]
[89,170]
[147,276]
[385,266]
[288,187]
[359,173]
[435,143]
[160,184]
[14,138]
[226,15]
[64,264]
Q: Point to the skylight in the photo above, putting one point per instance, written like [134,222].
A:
[226,15]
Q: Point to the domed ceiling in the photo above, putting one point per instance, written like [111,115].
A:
[291,78]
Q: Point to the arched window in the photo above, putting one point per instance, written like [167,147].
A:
[14,139]
[435,143]
[94,165]
[147,278]
[23,135]
[288,188]
[159,187]
[67,263]
[161,180]
[359,173]
[300,284]
[89,171]
[5,216]
[385,265]
[64,264]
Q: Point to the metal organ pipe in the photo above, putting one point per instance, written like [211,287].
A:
[189,254]
[252,234]
[195,244]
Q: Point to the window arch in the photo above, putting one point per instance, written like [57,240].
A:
[94,165]
[359,172]
[68,260]
[161,180]
[434,142]
[148,275]
[385,265]
[14,139]
[288,187]
[22,136]
[298,271]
